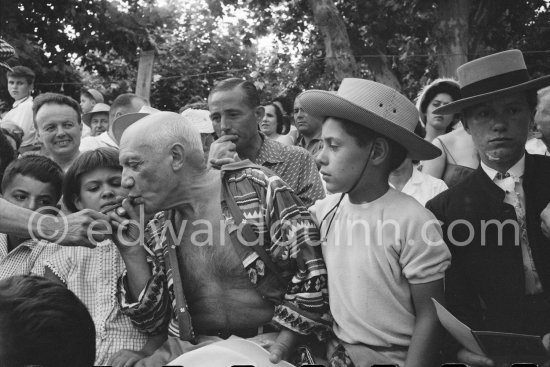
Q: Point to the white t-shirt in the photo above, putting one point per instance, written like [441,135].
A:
[101,141]
[21,115]
[373,252]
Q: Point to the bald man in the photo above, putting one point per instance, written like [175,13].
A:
[122,105]
[225,286]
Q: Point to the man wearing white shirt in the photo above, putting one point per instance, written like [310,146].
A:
[20,86]
[499,278]
[122,105]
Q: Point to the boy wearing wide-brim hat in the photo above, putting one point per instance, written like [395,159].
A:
[500,276]
[384,252]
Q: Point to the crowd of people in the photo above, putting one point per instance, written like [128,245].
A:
[321,229]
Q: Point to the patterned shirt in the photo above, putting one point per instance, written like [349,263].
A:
[301,306]
[26,258]
[295,166]
[314,146]
[92,275]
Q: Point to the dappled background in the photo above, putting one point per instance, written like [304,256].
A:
[284,46]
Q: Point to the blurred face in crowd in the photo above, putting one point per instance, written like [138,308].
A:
[99,189]
[30,193]
[19,87]
[232,115]
[269,123]
[305,123]
[99,123]
[542,118]
[499,129]
[439,122]
[342,160]
[59,129]
[86,103]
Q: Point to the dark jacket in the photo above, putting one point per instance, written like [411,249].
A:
[485,286]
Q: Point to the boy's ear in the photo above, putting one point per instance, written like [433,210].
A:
[380,150]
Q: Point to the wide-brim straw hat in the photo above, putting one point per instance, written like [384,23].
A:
[375,106]
[98,107]
[492,76]
[121,123]
[6,52]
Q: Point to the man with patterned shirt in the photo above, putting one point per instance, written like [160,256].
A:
[235,109]
[221,286]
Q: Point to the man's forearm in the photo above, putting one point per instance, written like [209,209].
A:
[16,220]
[138,271]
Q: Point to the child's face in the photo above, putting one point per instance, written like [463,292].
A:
[86,104]
[99,123]
[341,160]
[99,188]
[19,87]
[30,193]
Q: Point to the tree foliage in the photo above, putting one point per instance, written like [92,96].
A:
[398,42]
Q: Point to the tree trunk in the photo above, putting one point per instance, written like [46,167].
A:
[452,35]
[382,72]
[339,62]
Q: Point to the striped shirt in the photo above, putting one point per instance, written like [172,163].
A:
[295,166]
[27,258]
[301,306]
[92,275]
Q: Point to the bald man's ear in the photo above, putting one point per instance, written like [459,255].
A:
[177,153]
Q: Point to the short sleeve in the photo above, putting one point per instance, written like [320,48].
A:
[424,255]
[61,263]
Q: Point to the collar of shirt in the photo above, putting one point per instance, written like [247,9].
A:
[516,171]
[22,100]
[270,151]
[28,245]
[301,141]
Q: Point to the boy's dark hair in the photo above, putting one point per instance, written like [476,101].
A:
[38,167]
[252,96]
[86,162]
[6,154]
[43,323]
[15,137]
[22,72]
[54,98]
[363,135]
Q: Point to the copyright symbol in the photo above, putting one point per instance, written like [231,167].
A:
[52,214]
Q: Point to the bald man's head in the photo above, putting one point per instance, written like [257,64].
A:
[161,157]
[159,131]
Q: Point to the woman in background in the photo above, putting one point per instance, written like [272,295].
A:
[274,126]
[459,157]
